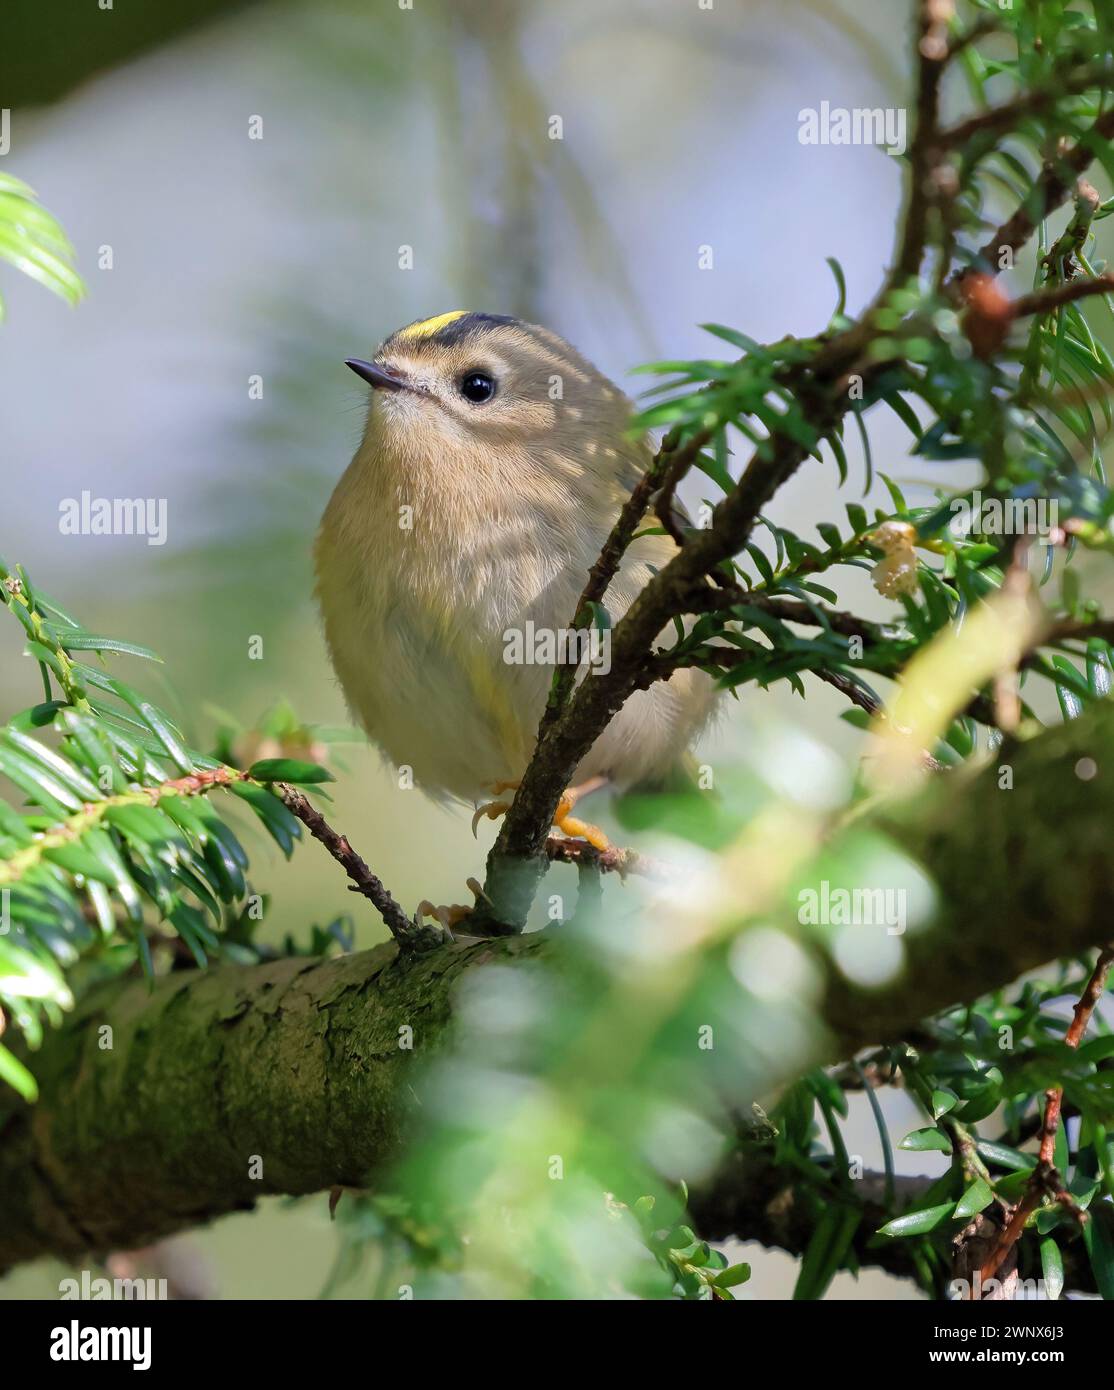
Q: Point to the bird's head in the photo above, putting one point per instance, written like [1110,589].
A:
[469,387]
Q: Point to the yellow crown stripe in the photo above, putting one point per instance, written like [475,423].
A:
[427,327]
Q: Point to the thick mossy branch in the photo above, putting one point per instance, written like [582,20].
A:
[215,1088]
[1023,875]
[300,1067]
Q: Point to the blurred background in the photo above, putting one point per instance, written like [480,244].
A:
[240,181]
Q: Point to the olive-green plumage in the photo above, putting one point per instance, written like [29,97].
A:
[466,516]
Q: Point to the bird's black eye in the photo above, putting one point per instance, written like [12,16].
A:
[477,387]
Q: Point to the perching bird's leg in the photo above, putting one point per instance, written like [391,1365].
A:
[451,916]
[568,824]
[563,819]
[494,809]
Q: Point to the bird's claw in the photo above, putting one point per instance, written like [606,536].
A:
[451,916]
[564,820]
[492,810]
[577,829]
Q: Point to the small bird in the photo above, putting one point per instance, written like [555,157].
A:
[456,546]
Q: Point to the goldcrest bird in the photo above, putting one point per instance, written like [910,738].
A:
[493,465]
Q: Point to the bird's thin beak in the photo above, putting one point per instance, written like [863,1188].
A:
[377,377]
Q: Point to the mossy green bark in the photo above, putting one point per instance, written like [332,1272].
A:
[218,1087]
[1022,859]
[224,1085]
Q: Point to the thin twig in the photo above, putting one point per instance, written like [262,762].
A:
[1050,191]
[988,24]
[854,692]
[706,599]
[1011,114]
[1045,1181]
[930,185]
[669,465]
[1079,630]
[1062,256]
[611,860]
[14,593]
[1044,301]
[679,465]
[92,814]
[410,937]
[603,571]
[1081,1016]
[932,57]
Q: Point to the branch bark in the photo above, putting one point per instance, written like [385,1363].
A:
[299,1063]
[517,859]
[410,935]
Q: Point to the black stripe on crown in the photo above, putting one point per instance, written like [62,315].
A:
[466,327]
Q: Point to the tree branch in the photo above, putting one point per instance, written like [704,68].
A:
[409,935]
[932,58]
[1044,301]
[1066,249]
[1045,1180]
[1057,180]
[576,716]
[517,860]
[613,860]
[69,831]
[999,119]
[679,465]
[153,1127]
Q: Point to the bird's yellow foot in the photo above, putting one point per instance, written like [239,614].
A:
[570,825]
[452,916]
[564,820]
[492,810]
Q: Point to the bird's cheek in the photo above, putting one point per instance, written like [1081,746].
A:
[396,409]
